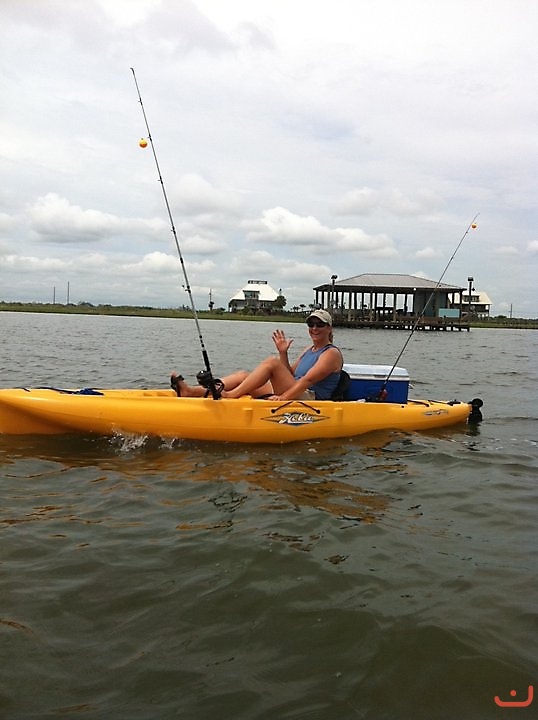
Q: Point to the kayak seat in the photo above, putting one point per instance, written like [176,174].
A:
[340,391]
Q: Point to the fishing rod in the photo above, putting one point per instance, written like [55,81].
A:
[383,391]
[209,381]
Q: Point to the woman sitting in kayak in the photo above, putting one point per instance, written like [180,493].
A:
[313,376]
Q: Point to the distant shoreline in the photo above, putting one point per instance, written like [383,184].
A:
[186,313]
[143,311]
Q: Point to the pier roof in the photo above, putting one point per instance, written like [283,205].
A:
[388,282]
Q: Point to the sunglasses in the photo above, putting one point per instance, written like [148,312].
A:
[316,324]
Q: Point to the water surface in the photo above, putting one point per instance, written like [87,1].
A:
[387,576]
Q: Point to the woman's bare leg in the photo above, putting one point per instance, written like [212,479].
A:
[230,381]
[270,373]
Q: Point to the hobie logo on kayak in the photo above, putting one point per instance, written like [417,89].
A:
[295,418]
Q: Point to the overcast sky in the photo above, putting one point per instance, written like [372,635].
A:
[297,139]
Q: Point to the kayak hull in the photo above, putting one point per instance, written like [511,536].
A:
[160,413]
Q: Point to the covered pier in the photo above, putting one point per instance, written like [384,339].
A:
[393,301]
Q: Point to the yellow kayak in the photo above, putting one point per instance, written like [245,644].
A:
[161,413]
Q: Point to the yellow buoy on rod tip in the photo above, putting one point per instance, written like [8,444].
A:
[143,142]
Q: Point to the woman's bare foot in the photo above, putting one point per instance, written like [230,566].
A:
[184,390]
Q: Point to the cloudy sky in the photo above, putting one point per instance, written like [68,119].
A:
[297,139]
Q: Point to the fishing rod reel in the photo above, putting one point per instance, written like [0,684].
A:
[215,386]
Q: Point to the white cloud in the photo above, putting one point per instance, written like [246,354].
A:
[427,252]
[200,245]
[361,201]
[282,227]
[364,201]
[6,223]
[279,225]
[53,217]
[358,241]
[29,265]
[193,195]
[506,250]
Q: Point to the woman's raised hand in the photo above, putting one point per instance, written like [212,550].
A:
[281,341]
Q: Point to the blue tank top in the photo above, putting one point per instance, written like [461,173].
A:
[324,388]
